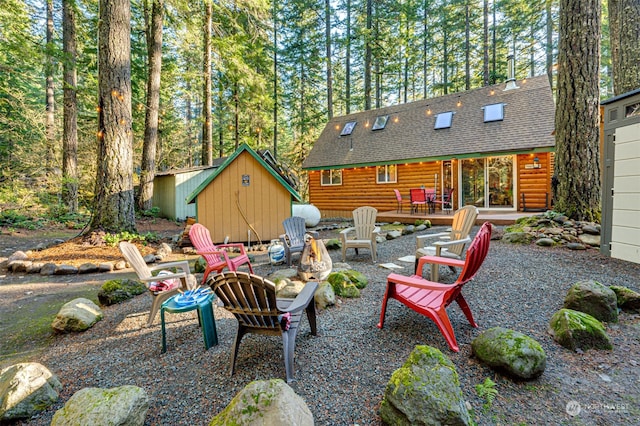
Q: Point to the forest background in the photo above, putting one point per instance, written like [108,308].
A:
[265,73]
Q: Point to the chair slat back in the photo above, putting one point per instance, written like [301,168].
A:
[364,220]
[201,240]
[250,298]
[398,195]
[463,221]
[135,259]
[295,229]
[476,253]
[417,195]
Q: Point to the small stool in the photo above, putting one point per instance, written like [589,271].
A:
[205,318]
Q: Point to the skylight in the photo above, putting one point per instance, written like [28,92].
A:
[380,122]
[348,128]
[493,112]
[443,120]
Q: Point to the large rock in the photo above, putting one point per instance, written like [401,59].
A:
[357,278]
[510,351]
[77,315]
[324,295]
[424,391]
[590,240]
[26,389]
[594,299]
[124,405]
[290,290]
[518,237]
[628,300]
[263,402]
[574,329]
[116,291]
[342,285]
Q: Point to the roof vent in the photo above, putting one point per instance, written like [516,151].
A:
[511,73]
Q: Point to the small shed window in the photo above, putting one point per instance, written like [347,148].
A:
[387,174]
[493,112]
[330,177]
[348,128]
[632,110]
[443,120]
[380,122]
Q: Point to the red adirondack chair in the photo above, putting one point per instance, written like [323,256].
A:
[216,256]
[430,298]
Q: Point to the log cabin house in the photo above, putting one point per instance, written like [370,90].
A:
[493,145]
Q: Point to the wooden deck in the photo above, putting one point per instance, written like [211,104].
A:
[496,217]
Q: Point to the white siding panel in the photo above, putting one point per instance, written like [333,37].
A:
[630,253]
[625,235]
[625,229]
[628,133]
[628,218]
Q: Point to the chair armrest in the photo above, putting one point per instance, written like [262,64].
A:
[418,282]
[314,234]
[420,238]
[232,245]
[452,242]
[303,298]
[285,240]
[345,232]
[181,264]
[438,260]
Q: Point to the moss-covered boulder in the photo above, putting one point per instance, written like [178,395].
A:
[628,300]
[26,389]
[424,391]
[510,351]
[77,315]
[574,329]
[265,402]
[518,237]
[342,285]
[333,244]
[200,265]
[357,278]
[124,405]
[116,291]
[593,298]
[324,295]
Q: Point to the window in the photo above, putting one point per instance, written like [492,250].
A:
[387,174]
[348,128]
[494,112]
[443,120]
[380,122]
[632,110]
[330,177]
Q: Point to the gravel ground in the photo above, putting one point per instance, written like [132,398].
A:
[342,372]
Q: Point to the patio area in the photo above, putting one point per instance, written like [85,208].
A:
[497,217]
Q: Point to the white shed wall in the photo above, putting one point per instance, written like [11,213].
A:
[625,233]
[170,193]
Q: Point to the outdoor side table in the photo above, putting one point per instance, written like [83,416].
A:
[205,318]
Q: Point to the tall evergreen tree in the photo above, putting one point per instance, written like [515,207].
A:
[114,203]
[70,131]
[624,32]
[577,111]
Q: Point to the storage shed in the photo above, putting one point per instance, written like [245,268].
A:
[245,199]
[621,184]
[172,187]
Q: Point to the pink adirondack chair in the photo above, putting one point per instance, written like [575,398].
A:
[430,298]
[216,256]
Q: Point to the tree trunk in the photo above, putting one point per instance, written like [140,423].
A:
[207,136]
[485,43]
[367,59]
[327,15]
[114,203]
[549,44]
[50,127]
[347,83]
[154,52]
[70,130]
[275,81]
[577,111]
[467,48]
[624,29]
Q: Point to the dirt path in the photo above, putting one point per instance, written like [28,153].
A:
[29,302]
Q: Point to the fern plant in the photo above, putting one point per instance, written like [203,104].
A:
[487,390]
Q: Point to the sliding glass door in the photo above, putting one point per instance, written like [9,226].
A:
[487,182]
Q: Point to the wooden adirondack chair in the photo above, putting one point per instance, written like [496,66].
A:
[293,237]
[431,298]
[252,300]
[216,256]
[451,244]
[145,274]
[365,230]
